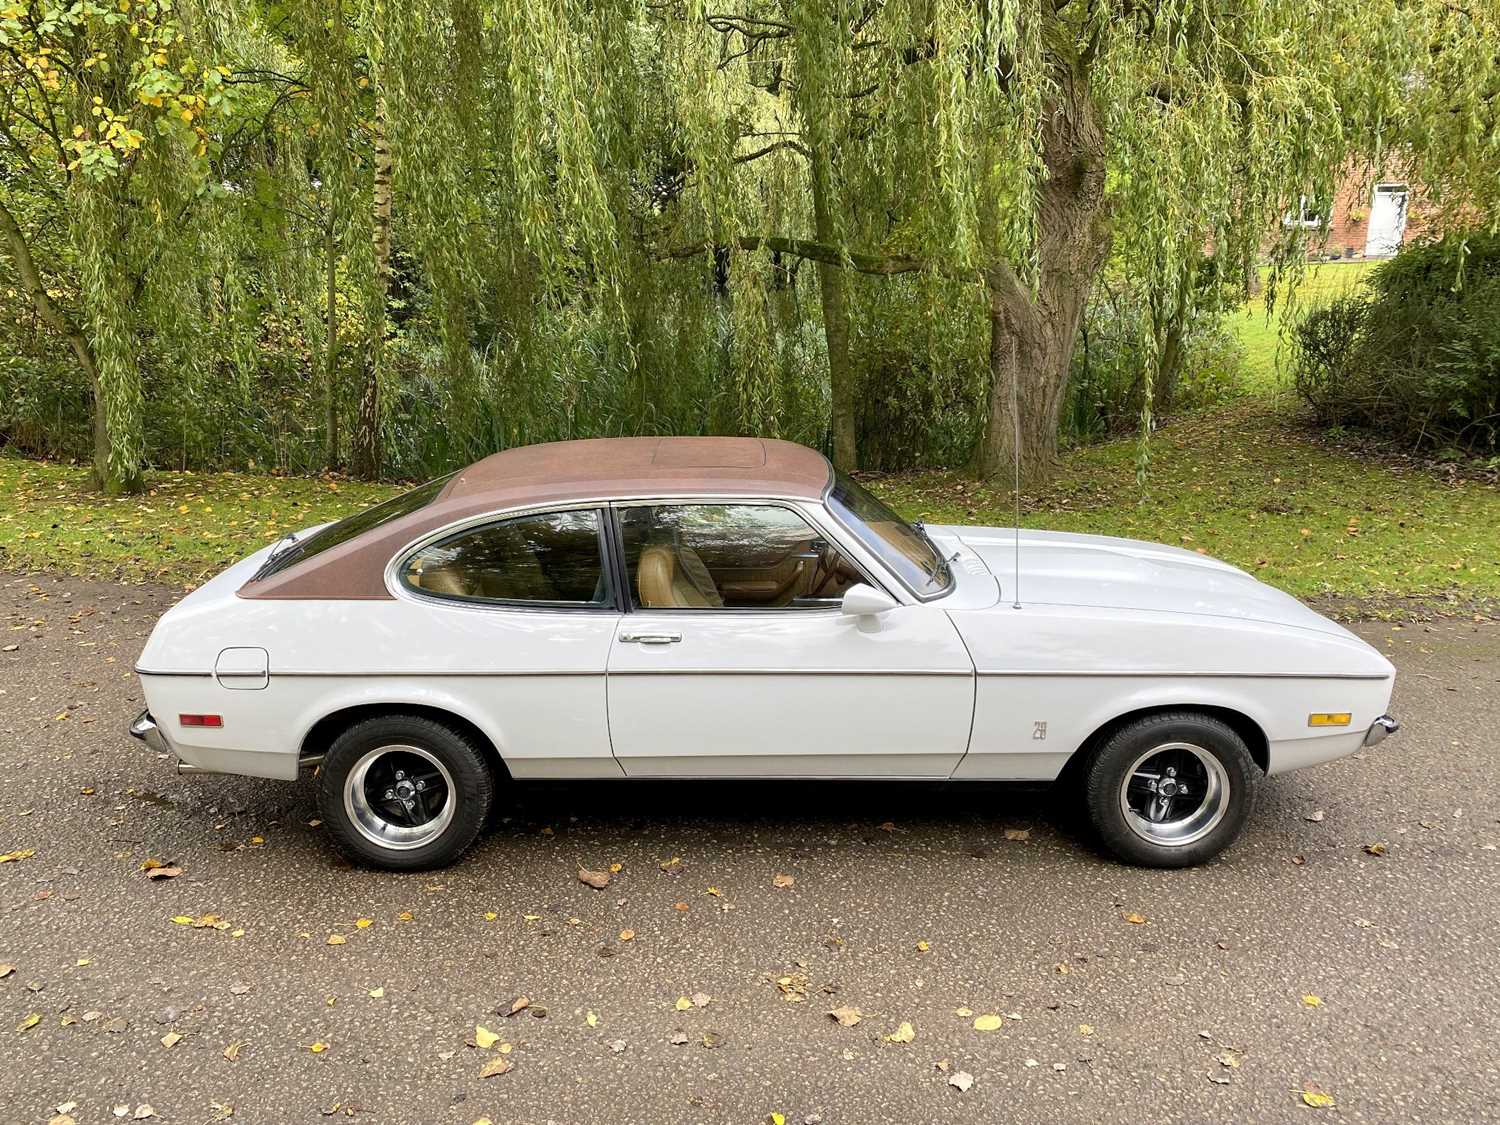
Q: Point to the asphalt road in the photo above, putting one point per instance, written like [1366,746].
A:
[1194,1013]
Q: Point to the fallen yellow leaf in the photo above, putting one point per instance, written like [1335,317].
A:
[1312,1001]
[903,1034]
[627,935]
[1317,1099]
[1135,919]
[684,1004]
[987,1023]
[484,1038]
[592,1019]
[337,939]
[363,923]
[318,1048]
[923,947]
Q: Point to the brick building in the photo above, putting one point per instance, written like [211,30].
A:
[1370,218]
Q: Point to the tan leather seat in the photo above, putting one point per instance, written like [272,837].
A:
[522,580]
[668,579]
[442,580]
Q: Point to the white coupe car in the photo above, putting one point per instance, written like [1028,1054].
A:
[735,608]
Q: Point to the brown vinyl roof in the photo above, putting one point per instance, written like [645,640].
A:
[559,473]
[608,467]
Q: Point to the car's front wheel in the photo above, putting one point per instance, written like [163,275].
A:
[404,792]
[1171,790]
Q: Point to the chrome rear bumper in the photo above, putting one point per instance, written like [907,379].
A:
[144,728]
[1381,729]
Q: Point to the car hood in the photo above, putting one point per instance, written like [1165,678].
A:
[1060,568]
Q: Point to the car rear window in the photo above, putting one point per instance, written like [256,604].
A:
[351,526]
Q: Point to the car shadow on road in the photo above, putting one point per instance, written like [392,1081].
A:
[791,804]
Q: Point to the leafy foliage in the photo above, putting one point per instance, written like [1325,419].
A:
[1419,359]
[400,235]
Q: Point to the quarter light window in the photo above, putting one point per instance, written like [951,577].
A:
[549,559]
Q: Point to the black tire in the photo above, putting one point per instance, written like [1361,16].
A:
[1156,750]
[436,754]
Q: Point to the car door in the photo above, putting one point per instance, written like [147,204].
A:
[513,618]
[715,671]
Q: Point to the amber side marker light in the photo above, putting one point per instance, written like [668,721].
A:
[1328,719]
[216,720]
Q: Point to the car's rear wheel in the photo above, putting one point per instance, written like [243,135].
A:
[1171,790]
[404,792]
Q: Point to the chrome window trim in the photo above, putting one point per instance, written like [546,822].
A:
[400,589]
[922,599]
[814,511]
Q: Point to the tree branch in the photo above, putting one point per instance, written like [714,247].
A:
[881,265]
[32,282]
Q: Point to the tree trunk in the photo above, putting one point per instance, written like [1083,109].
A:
[62,324]
[331,346]
[366,458]
[337,135]
[1171,332]
[1032,335]
[831,282]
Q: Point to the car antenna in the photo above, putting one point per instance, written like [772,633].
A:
[1015,417]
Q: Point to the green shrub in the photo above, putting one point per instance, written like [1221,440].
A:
[1111,358]
[1418,360]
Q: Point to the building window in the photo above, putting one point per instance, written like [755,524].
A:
[1308,214]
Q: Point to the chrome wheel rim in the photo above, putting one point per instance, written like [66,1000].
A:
[1175,794]
[399,797]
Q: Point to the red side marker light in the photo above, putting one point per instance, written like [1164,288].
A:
[201,720]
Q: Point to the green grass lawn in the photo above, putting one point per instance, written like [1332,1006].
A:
[1265,373]
[1246,485]
[1251,486]
[186,527]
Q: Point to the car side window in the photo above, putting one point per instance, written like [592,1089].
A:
[549,559]
[730,556]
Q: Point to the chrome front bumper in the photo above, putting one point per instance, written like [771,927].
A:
[1381,729]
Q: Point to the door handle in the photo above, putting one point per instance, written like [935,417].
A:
[651,638]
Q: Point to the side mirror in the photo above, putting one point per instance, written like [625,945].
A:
[866,601]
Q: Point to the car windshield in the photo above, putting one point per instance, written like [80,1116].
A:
[907,550]
[347,528]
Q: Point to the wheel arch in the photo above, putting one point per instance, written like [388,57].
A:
[1242,724]
[320,736]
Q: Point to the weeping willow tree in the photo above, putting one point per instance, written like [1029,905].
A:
[107,114]
[1018,144]
[406,232]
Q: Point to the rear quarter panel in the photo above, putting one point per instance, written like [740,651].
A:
[531,681]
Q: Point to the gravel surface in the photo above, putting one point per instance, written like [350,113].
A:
[1296,962]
